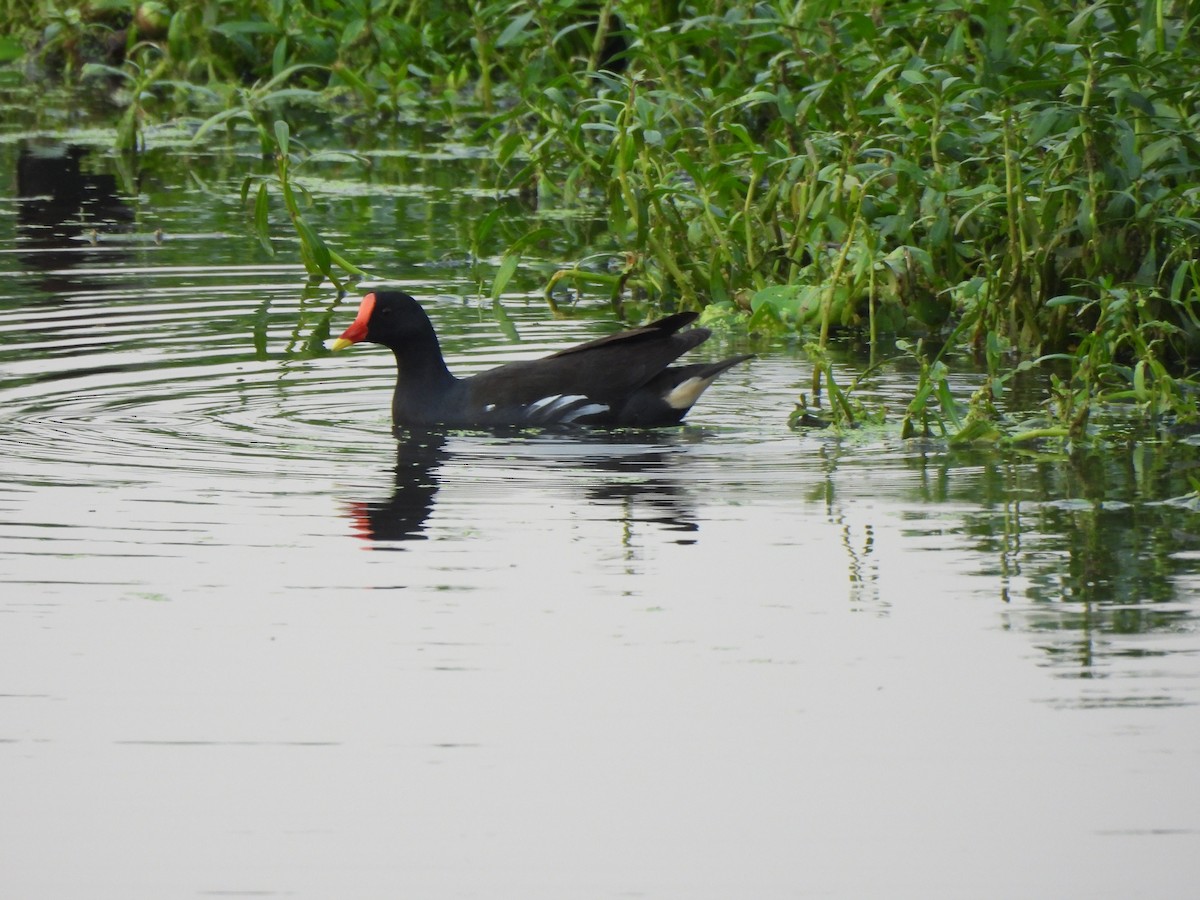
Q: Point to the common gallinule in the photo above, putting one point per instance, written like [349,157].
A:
[620,380]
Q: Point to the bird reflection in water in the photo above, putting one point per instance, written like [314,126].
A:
[402,516]
[640,497]
[632,486]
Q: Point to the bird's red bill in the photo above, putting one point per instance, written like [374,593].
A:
[358,328]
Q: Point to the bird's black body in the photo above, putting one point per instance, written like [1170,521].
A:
[622,380]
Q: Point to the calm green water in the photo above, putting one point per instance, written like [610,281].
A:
[250,644]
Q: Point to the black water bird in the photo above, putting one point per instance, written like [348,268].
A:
[621,380]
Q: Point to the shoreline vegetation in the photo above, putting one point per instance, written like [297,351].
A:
[1018,180]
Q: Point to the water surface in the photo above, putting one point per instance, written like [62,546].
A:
[253,644]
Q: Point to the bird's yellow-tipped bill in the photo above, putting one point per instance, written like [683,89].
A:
[358,328]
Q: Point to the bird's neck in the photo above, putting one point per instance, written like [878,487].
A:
[422,379]
[424,367]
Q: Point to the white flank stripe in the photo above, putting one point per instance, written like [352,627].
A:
[538,404]
[559,408]
[590,409]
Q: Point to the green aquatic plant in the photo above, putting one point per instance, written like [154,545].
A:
[603,270]
[933,409]
[846,411]
[897,169]
[887,169]
[259,105]
[1120,362]
[318,257]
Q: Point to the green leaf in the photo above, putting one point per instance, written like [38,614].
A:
[292,95]
[281,136]
[1156,150]
[531,237]
[739,131]
[220,118]
[643,218]
[884,74]
[948,405]
[483,228]
[508,146]
[352,78]
[1181,277]
[232,29]
[342,263]
[1066,300]
[514,29]
[177,34]
[315,246]
[96,70]
[751,98]
[262,223]
[280,56]
[1139,381]
[718,291]
[508,266]
[10,49]
[354,29]
[287,73]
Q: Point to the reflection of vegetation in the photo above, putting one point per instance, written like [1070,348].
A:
[1082,575]
[1085,548]
[890,168]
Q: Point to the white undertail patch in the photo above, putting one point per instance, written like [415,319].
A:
[687,392]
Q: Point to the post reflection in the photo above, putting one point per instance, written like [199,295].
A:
[60,204]
[63,211]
